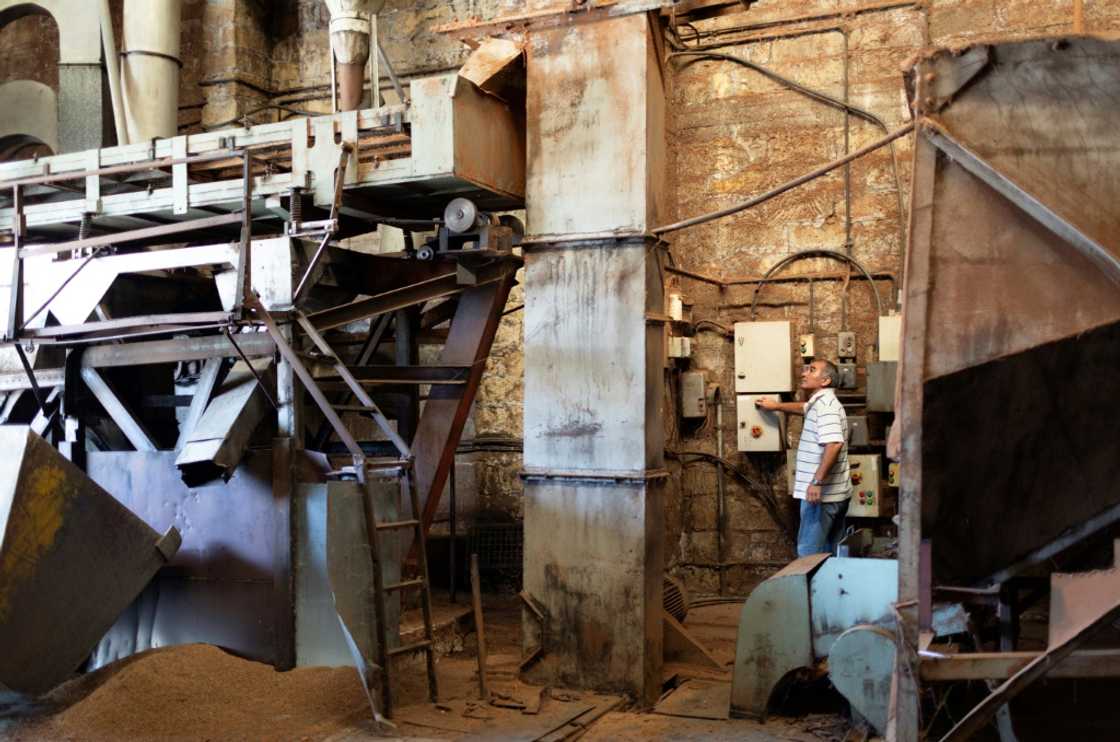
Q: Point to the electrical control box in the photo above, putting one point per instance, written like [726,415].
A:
[846,345]
[760,431]
[694,395]
[680,347]
[857,430]
[866,487]
[847,375]
[880,386]
[808,346]
[762,357]
[890,338]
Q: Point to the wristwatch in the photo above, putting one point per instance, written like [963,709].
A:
[817,483]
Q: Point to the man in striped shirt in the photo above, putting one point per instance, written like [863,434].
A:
[823,482]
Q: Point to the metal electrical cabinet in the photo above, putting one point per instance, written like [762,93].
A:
[890,338]
[763,362]
[759,431]
[866,486]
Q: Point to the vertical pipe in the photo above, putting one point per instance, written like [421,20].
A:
[150,71]
[451,551]
[721,505]
[480,628]
[113,70]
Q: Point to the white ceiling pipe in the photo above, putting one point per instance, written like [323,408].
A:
[150,68]
[350,45]
[113,71]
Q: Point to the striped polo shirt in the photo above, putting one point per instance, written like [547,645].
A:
[825,422]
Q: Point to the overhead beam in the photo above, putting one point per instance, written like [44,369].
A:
[435,288]
[253,345]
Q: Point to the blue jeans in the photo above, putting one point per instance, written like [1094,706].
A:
[822,526]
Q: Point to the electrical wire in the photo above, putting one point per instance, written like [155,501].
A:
[814,254]
[764,496]
[827,100]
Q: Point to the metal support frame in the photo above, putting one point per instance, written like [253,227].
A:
[132,428]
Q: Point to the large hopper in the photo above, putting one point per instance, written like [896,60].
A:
[71,559]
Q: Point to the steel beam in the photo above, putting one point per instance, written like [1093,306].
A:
[137,435]
[175,351]
[118,238]
[445,413]
[207,380]
[390,301]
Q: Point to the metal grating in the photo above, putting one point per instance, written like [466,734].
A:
[500,546]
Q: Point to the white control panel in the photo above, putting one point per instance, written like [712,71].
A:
[866,486]
[760,431]
[890,338]
[762,357]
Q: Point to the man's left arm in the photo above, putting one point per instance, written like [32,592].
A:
[831,438]
[828,458]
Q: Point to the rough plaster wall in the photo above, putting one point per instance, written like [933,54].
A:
[29,50]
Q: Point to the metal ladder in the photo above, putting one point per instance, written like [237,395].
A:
[362,469]
[382,592]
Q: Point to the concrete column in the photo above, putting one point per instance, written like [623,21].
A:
[594,511]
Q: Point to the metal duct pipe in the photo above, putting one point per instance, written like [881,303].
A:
[113,71]
[351,46]
[150,68]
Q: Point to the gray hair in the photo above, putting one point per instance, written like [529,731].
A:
[831,372]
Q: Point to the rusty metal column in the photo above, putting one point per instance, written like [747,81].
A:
[594,476]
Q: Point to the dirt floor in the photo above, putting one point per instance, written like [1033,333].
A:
[202,693]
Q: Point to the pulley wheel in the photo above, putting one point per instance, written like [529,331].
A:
[460,215]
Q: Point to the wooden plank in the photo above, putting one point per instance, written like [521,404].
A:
[479,625]
[1086,663]
[903,721]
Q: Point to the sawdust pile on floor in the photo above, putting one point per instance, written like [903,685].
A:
[200,692]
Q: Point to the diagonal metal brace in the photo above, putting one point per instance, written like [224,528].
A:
[355,386]
[1025,200]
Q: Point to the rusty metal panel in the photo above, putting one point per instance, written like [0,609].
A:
[593,560]
[589,102]
[586,362]
[71,559]
[460,132]
[1012,303]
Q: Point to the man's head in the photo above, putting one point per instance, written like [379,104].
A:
[820,374]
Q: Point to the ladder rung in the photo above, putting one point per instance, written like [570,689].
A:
[410,648]
[406,585]
[398,524]
[352,408]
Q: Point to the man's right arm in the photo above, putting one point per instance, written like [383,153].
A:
[793,408]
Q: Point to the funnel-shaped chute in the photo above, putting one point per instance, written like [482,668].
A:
[351,45]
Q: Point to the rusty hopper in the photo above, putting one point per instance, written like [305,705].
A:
[71,559]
